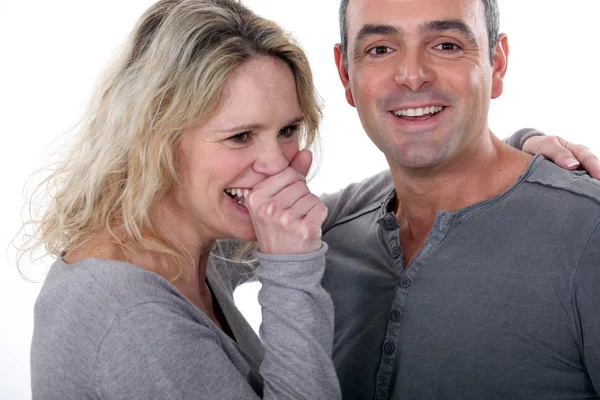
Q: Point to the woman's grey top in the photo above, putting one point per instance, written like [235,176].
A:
[111,330]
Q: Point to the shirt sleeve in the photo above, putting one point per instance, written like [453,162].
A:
[355,197]
[586,304]
[297,327]
[518,138]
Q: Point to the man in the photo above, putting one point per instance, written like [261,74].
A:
[475,272]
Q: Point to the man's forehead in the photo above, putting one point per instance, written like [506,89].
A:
[409,14]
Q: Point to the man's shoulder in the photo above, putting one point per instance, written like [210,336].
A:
[358,199]
[376,185]
[578,183]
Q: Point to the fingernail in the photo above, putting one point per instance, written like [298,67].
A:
[571,162]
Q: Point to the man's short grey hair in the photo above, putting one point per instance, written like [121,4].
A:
[492,16]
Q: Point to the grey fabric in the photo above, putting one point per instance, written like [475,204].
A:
[518,139]
[111,330]
[502,302]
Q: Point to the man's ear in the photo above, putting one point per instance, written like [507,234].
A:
[340,62]
[500,66]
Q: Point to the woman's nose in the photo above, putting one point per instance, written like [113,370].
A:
[270,160]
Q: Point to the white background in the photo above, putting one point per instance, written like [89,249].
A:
[53,51]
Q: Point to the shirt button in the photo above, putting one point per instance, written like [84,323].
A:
[388,223]
[395,316]
[396,252]
[389,347]
[405,283]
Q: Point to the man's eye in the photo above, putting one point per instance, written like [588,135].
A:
[379,50]
[448,46]
[240,137]
[288,131]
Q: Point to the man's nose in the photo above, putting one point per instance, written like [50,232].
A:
[270,160]
[414,71]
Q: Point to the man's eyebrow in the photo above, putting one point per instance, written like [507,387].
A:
[372,30]
[449,25]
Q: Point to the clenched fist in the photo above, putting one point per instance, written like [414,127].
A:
[287,217]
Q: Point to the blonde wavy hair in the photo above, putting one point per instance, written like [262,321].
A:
[170,77]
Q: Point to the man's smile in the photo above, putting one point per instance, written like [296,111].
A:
[418,112]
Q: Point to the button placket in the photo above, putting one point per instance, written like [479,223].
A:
[395,315]
[390,237]
[391,350]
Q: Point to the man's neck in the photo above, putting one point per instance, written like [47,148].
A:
[477,174]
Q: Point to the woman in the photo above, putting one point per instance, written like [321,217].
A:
[208,104]
[193,137]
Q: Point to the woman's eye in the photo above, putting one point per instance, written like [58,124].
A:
[240,137]
[288,131]
[448,46]
[379,50]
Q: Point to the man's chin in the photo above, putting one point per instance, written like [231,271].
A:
[417,157]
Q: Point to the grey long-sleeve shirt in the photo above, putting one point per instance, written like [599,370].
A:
[502,302]
[111,330]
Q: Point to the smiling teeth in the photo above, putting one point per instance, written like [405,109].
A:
[238,192]
[418,112]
